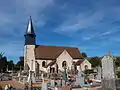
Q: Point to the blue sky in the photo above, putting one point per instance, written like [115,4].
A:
[91,25]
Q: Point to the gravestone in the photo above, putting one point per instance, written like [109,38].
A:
[42,76]
[63,82]
[52,83]
[99,73]
[79,79]
[19,76]
[59,83]
[31,77]
[56,88]
[24,80]
[44,86]
[108,73]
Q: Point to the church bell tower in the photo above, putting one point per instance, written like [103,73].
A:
[29,47]
[30,34]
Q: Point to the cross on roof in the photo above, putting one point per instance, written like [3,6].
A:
[109,52]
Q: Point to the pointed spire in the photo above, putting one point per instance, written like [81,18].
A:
[30,34]
[30,29]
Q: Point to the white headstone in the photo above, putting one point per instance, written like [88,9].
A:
[108,73]
[56,88]
[52,83]
[42,76]
[44,86]
[80,79]
[63,82]
[31,77]
[108,69]
[99,73]
[6,87]
[59,82]
[19,76]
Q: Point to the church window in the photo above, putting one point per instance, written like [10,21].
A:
[86,67]
[43,64]
[64,64]
[52,70]
[57,68]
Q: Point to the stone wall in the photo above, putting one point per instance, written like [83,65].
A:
[29,56]
[64,56]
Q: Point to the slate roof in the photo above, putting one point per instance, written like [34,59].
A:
[30,29]
[52,52]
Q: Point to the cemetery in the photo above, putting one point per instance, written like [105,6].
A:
[43,82]
[59,68]
[105,79]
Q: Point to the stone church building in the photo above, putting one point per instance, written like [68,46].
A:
[48,59]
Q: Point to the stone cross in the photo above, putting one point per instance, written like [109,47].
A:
[108,73]
[19,76]
[99,72]
[31,77]
[109,52]
[80,79]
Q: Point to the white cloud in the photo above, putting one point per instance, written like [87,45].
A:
[22,9]
[80,21]
[33,7]
[87,38]
[13,21]
[12,48]
[106,33]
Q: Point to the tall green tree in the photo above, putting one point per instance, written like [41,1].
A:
[1,55]
[20,64]
[117,62]
[3,62]
[84,55]
[10,65]
[95,61]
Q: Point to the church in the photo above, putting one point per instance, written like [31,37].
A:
[48,59]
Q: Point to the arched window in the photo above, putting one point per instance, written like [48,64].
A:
[86,67]
[37,68]
[57,68]
[43,64]
[64,64]
[52,70]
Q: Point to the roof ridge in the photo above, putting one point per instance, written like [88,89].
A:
[44,51]
[57,46]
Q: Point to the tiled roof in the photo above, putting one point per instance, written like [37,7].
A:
[78,62]
[52,52]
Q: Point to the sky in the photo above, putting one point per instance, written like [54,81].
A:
[91,25]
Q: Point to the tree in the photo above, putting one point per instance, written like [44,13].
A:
[20,64]
[88,71]
[3,63]
[84,55]
[10,65]
[95,61]
[118,74]
[1,55]
[117,62]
